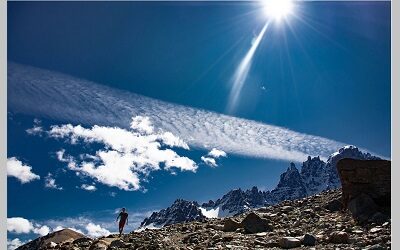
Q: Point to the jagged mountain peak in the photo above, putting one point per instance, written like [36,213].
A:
[350,151]
[313,176]
[180,211]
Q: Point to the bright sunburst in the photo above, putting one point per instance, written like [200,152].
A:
[278,9]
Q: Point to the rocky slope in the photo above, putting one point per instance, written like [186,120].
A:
[52,240]
[314,177]
[317,221]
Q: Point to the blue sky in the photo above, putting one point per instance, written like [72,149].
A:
[324,75]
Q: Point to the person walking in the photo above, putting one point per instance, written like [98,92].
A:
[123,218]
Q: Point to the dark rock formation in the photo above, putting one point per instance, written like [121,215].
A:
[366,187]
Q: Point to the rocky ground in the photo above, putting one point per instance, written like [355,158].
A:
[316,222]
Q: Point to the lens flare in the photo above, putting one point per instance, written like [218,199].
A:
[242,70]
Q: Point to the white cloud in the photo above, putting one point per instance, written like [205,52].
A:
[22,172]
[68,159]
[14,243]
[50,182]
[209,161]
[216,153]
[88,187]
[94,230]
[127,154]
[210,158]
[37,129]
[21,225]
[67,98]
[41,230]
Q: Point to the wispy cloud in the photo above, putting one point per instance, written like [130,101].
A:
[37,129]
[21,171]
[50,182]
[88,187]
[52,95]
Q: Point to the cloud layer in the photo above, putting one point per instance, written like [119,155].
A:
[21,171]
[52,95]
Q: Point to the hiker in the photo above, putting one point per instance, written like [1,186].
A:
[123,218]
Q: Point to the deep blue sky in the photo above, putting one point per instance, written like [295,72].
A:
[325,73]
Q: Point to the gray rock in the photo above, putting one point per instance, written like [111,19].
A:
[334,205]
[339,238]
[82,242]
[309,240]
[289,242]
[99,245]
[117,243]
[376,247]
[253,223]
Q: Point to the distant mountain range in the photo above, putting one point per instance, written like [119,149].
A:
[314,177]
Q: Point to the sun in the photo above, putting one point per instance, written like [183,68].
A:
[278,9]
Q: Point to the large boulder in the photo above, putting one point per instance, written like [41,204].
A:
[362,207]
[253,223]
[230,225]
[365,187]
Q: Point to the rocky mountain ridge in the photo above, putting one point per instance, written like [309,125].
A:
[314,177]
[317,221]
